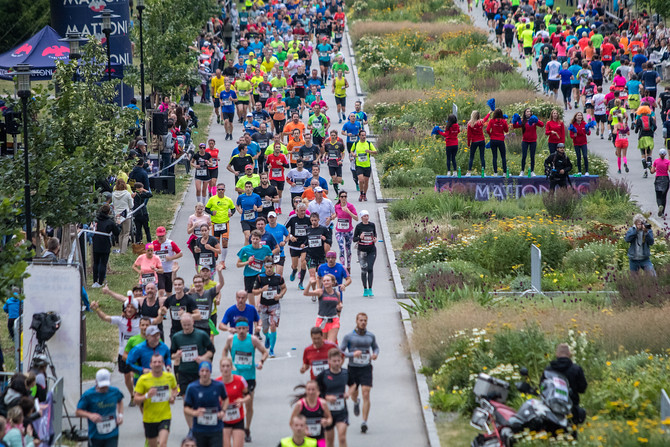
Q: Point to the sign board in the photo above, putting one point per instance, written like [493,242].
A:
[56,288]
[536,267]
[486,188]
[425,76]
[665,407]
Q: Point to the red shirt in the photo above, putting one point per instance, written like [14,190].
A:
[451,135]
[606,49]
[277,165]
[497,128]
[215,157]
[529,131]
[579,138]
[555,126]
[476,132]
[235,391]
[317,359]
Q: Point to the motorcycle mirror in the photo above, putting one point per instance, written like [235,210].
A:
[523,371]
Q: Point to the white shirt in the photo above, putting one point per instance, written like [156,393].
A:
[553,68]
[325,209]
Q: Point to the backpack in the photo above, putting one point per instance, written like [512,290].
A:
[556,393]
[646,122]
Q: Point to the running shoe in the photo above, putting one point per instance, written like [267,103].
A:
[625,166]
[660,210]
[357,404]
[301,287]
[292,277]
[365,293]
[247,435]
[267,342]
[364,427]
[272,353]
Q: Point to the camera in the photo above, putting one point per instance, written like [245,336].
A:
[647,225]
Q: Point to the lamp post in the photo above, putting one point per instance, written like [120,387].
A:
[74,40]
[140,10]
[23,73]
[107,17]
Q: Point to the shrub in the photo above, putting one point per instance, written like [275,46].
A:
[428,275]
[592,257]
[380,83]
[408,178]
[389,138]
[562,202]
[430,204]
[637,289]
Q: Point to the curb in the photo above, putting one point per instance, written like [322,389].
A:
[400,294]
[354,67]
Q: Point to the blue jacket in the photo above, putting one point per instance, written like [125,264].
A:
[139,358]
[13,307]
[631,238]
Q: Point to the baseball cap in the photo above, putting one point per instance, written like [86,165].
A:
[248,114]
[663,151]
[103,378]
[272,214]
[140,143]
[331,254]
[295,56]
[161,231]
[318,189]
[249,167]
[149,246]
[560,145]
[274,89]
[364,213]
[202,145]
[152,330]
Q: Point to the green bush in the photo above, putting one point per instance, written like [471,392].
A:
[431,204]
[562,202]
[592,257]
[472,274]
[408,178]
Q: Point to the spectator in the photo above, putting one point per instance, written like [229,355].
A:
[13,308]
[123,205]
[139,172]
[557,166]
[640,237]
[140,211]
[102,245]
[53,247]
[17,435]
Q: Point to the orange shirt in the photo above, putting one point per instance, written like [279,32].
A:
[294,146]
[308,194]
[588,53]
[288,128]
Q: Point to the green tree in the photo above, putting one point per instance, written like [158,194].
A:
[13,252]
[77,136]
[20,20]
[169,29]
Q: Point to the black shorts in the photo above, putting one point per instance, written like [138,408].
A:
[323,63]
[239,425]
[219,233]
[341,101]
[248,225]
[296,194]
[528,51]
[242,102]
[490,15]
[339,416]
[228,116]
[318,140]
[598,82]
[279,184]
[251,385]
[335,171]
[314,263]
[213,173]
[296,253]
[123,366]
[360,375]
[184,379]
[151,429]
[350,144]
[365,172]
[165,281]
[607,63]
[509,43]
[249,282]
[217,103]
[207,438]
[600,118]
[554,84]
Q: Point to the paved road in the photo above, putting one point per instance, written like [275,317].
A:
[642,190]
[395,417]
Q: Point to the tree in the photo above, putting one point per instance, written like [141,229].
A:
[13,249]
[20,20]
[169,29]
[77,136]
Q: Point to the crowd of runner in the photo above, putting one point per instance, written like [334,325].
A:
[264,69]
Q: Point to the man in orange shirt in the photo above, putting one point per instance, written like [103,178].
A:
[294,144]
[309,192]
[295,123]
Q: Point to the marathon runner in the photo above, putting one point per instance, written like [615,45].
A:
[201,161]
[297,227]
[362,150]
[315,356]
[249,204]
[140,357]
[251,258]
[334,154]
[238,396]
[204,299]
[205,404]
[330,305]
[238,310]
[268,194]
[167,251]
[179,304]
[221,208]
[213,167]
[280,233]
[365,236]
[315,411]
[102,405]
[271,288]
[190,347]
[277,162]
[333,388]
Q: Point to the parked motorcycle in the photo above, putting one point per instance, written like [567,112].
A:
[498,422]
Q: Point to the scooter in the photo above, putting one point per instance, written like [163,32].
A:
[498,422]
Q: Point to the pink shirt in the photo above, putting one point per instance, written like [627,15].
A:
[145,264]
[344,224]
[661,165]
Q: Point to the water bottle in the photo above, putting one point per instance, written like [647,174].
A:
[483,175]
[529,171]
[459,172]
[507,173]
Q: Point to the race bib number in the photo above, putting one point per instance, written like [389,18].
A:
[243,93]
[204,311]
[319,366]
[301,230]
[263,144]
[334,154]
[197,232]
[367,238]
[209,418]
[300,182]
[162,255]
[338,35]
[148,278]
[201,172]
[232,413]
[299,83]
[363,157]
[215,164]
[276,258]
[308,157]
[221,227]
[353,139]
[277,172]
[127,337]
[314,427]
[266,203]
[249,215]
[256,265]
[243,358]
[561,389]
[189,353]
[323,54]
[338,405]
[363,360]
[314,241]
[316,124]
[280,109]
[343,224]
[162,394]
[264,95]
[270,294]
[174,313]
[206,260]
[227,102]
[106,425]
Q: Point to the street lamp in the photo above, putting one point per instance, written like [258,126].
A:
[140,10]
[23,73]
[107,17]
[74,40]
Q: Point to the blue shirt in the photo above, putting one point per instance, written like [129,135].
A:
[574,69]
[103,404]
[649,78]
[257,47]
[233,314]
[200,396]
[361,116]
[352,128]
[248,128]
[565,76]
[597,69]
[321,48]
[243,51]
[279,232]
[267,239]
[12,307]
[338,271]
[247,203]
[259,255]
[227,96]
[311,81]
[638,60]
[633,87]
[139,357]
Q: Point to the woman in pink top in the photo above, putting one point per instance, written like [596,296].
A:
[344,228]
[660,168]
[148,266]
[196,220]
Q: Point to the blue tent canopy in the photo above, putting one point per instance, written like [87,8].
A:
[40,51]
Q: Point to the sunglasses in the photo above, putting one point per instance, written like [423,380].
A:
[220,189]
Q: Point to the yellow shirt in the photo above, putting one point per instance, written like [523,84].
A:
[218,83]
[255,81]
[340,87]
[268,65]
[156,411]
[221,206]
[255,180]
[243,88]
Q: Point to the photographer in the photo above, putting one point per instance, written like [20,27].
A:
[640,237]
[557,167]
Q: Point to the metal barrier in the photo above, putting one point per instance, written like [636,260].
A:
[58,403]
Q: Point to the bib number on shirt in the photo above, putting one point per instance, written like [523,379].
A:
[314,427]
[363,360]
[162,255]
[148,278]
[249,215]
[204,311]
[209,418]
[277,172]
[314,241]
[343,224]
[256,265]
[266,203]
[174,313]
[201,172]
[300,182]
[162,394]
[338,405]
[319,366]
[363,157]
[316,124]
[227,102]
[276,258]
[232,413]
[280,109]
[221,227]
[106,425]
[366,238]
[301,230]
[206,260]
[189,353]
[269,294]
[243,358]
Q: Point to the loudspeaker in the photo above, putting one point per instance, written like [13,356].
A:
[13,122]
[159,123]
[164,184]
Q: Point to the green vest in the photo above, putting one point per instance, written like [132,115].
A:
[362,157]
[288,442]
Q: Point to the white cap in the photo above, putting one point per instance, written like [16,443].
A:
[153,330]
[250,114]
[103,378]
[364,213]
[272,214]
[663,151]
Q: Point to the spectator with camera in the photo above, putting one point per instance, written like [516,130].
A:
[640,237]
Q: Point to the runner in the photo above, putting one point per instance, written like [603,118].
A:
[140,357]
[271,287]
[277,162]
[318,242]
[621,132]
[201,161]
[241,346]
[242,89]
[294,144]
[318,125]
[362,150]
[167,251]
[330,305]
[248,205]
[365,235]
[238,310]
[340,86]
[314,409]
[156,391]
[251,258]
[268,194]
[267,239]
[102,405]
[206,249]
[315,356]
[238,396]
[221,208]
[228,100]
[280,233]
[297,227]
[179,304]
[298,426]
[645,126]
[205,403]
[360,347]
[148,266]
[195,222]
[333,149]
[332,267]
[239,162]
[333,388]
[190,347]
[218,82]
[297,177]
[204,299]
